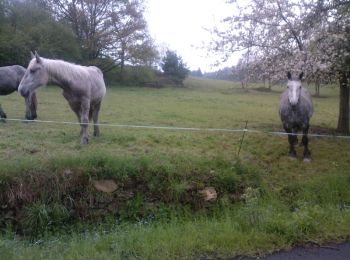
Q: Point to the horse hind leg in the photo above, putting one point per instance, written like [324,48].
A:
[81,110]
[94,111]
[84,121]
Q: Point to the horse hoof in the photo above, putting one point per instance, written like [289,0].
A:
[292,155]
[28,121]
[307,160]
[84,141]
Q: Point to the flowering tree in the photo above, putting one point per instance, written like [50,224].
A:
[290,35]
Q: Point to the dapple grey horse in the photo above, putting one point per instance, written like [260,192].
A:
[10,77]
[83,87]
[295,110]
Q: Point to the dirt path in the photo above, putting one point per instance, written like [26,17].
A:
[326,252]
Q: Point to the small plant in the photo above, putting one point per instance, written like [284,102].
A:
[40,218]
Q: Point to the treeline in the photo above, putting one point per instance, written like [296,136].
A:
[227,73]
[112,35]
[233,73]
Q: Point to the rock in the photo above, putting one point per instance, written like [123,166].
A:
[107,186]
[209,194]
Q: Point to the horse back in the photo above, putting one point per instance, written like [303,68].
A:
[96,69]
[19,70]
[10,77]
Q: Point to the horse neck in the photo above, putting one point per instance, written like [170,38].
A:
[60,77]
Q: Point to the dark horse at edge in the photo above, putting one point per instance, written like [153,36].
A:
[10,77]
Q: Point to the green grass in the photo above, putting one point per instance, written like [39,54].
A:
[265,201]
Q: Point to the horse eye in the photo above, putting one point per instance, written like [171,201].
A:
[34,70]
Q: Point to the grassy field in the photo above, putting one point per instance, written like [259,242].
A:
[265,201]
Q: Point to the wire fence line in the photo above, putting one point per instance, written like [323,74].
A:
[175,128]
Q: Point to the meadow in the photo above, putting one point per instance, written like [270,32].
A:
[265,201]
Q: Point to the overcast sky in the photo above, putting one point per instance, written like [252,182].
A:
[179,25]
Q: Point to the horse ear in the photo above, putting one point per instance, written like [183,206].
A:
[32,56]
[289,75]
[301,75]
[38,59]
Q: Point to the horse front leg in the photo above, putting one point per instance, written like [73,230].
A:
[305,142]
[292,139]
[2,114]
[84,121]
[31,105]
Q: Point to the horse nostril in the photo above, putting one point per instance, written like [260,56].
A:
[294,105]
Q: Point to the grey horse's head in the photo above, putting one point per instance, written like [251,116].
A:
[34,77]
[294,89]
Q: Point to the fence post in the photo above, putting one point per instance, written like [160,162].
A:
[243,135]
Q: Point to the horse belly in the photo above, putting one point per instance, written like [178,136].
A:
[6,90]
[8,84]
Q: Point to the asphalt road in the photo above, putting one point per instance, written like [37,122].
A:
[325,252]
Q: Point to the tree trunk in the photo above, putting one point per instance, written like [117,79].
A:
[122,62]
[343,119]
[317,87]
[264,82]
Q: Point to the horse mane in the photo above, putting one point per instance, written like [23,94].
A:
[64,69]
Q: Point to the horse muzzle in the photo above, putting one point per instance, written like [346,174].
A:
[23,91]
[294,106]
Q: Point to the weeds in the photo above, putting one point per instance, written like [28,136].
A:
[40,218]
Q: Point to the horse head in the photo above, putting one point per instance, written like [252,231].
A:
[34,77]
[294,89]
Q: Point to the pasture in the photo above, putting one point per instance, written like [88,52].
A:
[265,201]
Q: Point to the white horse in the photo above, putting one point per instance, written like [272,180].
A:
[295,111]
[83,87]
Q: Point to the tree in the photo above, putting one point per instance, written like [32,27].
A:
[130,39]
[174,68]
[110,33]
[28,25]
[87,19]
[197,73]
[310,36]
